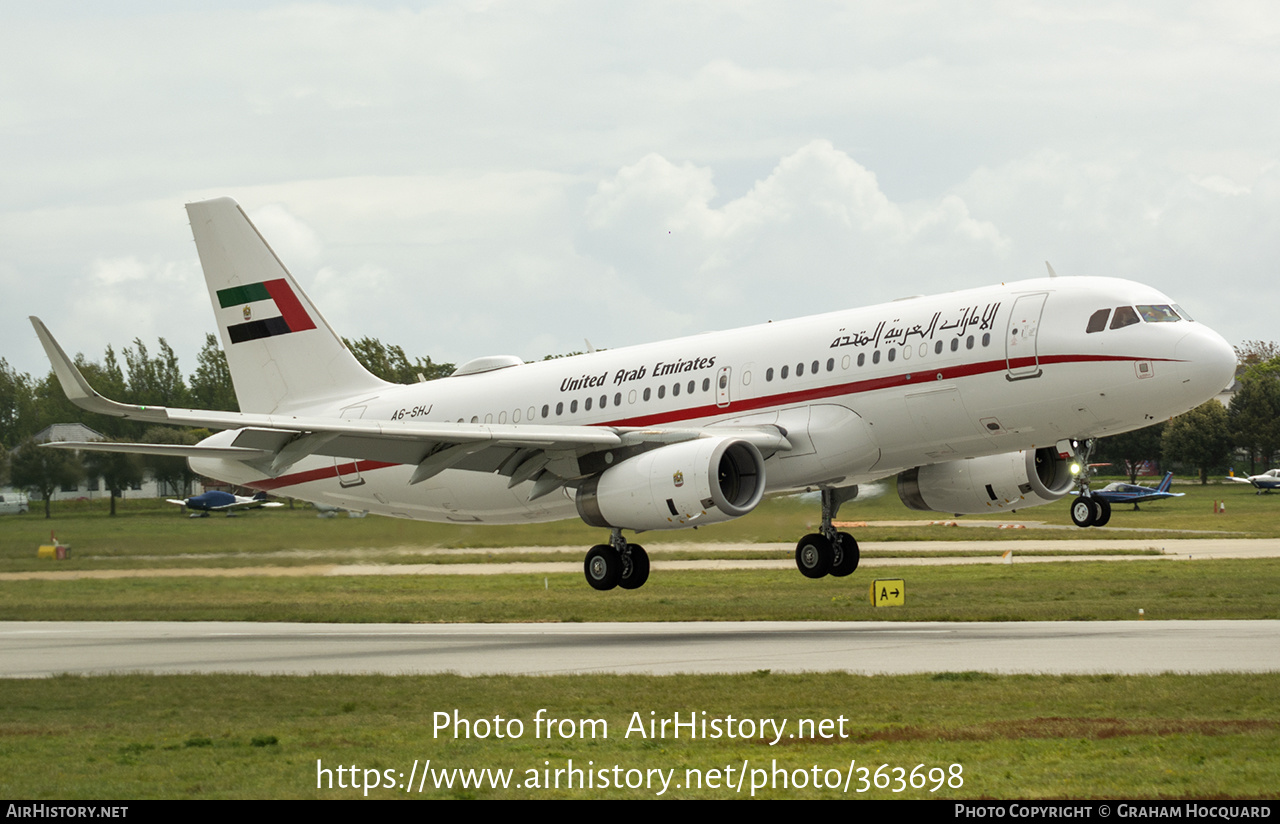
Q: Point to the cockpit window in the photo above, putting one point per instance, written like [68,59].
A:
[1125,316]
[1183,313]
[1161,313]
[1098,321]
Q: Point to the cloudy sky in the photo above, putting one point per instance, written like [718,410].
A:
[479,178]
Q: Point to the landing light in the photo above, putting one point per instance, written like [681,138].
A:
[1075,469]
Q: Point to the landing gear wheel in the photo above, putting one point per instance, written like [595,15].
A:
[603,567]
[814,556]
[1083,512]
[635,567]
[845,558]
[1104,512]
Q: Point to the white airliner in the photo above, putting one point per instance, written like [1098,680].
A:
[977,400]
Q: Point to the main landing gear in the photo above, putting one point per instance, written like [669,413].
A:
[828,552]
[1087,510]
[617,564]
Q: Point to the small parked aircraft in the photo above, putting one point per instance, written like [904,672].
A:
[1264,483]
[1123,493]
[217,501]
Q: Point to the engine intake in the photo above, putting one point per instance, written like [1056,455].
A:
[995,483]
[703,481]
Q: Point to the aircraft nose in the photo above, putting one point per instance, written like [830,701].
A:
[1208,361]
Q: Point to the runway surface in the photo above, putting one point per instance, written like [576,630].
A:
[29,650]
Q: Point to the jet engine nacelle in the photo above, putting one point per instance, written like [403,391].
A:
[992,484]
[702,481]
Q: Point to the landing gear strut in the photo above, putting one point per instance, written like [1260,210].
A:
[1087,510]
[616,564]
[828,552]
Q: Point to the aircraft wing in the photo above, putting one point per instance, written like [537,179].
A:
[273,443]
[1238,480]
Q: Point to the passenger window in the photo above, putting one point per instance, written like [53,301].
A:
[1098,321]
[662,391]
[559,409]
[617,399]
[604,401]
[986,338]
[862,358]
[768,374]
[955,344]
[875,356]
[586,405]
[706,383]
[968,344]
[692,385]
[1125,316]
[892,354]
[937,348]
[546,410]
[646,393]
[814,368]
[573,407]
[784,373]
[799,369]
[831,364]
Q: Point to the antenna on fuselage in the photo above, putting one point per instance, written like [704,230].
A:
[1052,273]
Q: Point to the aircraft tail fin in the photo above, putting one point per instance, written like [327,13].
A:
[281,352]
[1165,484]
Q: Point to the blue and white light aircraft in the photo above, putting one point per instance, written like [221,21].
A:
[976,399]
[215,500]
[1123,493]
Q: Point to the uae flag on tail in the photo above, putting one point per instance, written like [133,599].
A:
[261,299]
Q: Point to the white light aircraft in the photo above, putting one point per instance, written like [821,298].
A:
[1264,483]
[977,400]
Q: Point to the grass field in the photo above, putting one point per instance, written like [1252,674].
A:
[1089,591]
[153,533]
[1183,737]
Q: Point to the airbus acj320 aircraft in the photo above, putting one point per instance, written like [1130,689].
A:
[977,400]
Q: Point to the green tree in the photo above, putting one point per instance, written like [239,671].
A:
[118,471]
[1130,449]
[17,405]
[1255,413]
[391,364]
[43,471]
[1253,352]
[1199,438]
[155,380]
[211,385]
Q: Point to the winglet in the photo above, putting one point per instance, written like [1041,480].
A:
[77,389]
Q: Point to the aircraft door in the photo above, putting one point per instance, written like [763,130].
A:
[723,380]
[1022,357]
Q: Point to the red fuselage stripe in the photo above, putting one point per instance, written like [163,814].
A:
[920,377]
